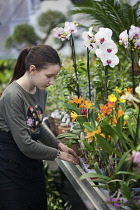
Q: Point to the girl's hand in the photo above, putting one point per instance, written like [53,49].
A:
[69,151]
[68,157]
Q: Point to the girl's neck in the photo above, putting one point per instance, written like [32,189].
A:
[26,84]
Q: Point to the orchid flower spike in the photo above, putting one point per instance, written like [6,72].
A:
[123,38]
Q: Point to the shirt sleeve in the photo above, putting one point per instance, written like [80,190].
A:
[48,138]
[16,120]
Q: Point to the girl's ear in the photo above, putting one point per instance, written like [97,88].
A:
[32,69]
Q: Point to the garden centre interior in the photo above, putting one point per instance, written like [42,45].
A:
[93,107]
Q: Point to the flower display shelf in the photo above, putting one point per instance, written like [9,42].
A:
[91,196]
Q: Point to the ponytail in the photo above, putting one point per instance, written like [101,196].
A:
[20,69]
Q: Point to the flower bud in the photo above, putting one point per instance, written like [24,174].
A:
[126,117]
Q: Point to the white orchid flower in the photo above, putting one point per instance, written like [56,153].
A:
[137,90]
[137,43]
[134,32]
[107,59]
[139,62]
[61,34]
[103,35]
[123,38]
[88,34]
[128,96]
[109,47]
[90,45]
[57,32]
[70,27]
[89,40]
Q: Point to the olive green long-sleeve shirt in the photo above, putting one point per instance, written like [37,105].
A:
[22,113]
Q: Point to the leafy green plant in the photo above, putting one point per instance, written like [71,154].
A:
[53,195]
[123,15]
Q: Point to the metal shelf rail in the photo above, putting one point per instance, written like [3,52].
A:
[92,197]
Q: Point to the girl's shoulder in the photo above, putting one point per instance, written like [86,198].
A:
[11,89]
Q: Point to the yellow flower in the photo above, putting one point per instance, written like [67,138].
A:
[122,100]
[117,90]
[112,98]
[73,115]
[88,104]
[91,135]
[76,100]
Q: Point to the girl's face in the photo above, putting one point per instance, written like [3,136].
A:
[45,77]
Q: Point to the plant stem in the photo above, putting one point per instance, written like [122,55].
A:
[106,82]
[74,64]
[137,128]
[133,75]
[88,71]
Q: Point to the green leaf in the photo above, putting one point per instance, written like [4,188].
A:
[129,141]
[96,167]
[69,143]
[72,107]
[110,130]
[87,146]
[106,146]
[92,175]
[129,173]
[68,136]
[127,192]
[88,126]
[121,162]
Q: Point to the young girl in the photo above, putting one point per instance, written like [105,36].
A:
[24,142]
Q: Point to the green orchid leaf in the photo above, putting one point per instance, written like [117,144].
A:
[106,146]
[109,130]
[68,136]
[92,175]
[121,162]
[87,145]
[127,192]
[102,181]
[69,143]
[138,148]
[88,126]
[96,167]
[92,118]
[129,141]
[72,107]
[129,173]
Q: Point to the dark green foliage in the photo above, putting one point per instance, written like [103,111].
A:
[6,70]
[53,190]
[112,14]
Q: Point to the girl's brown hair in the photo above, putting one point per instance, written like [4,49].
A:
[40,56]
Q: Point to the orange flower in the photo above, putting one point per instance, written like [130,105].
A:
[114,121]
[111,104]
[76,100]
[129,90]
[105,110]
[120,112]
[82,105]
